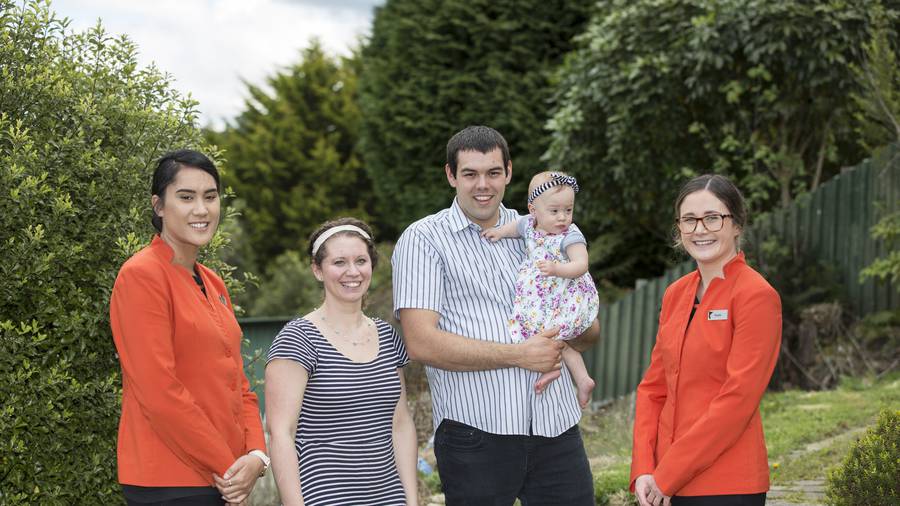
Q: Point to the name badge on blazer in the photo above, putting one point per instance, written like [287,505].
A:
[717,314]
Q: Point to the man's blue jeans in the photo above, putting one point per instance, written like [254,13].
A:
[482,469]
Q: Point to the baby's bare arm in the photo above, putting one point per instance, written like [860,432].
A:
[504,231]
[577,264]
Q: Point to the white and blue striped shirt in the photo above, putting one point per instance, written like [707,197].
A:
[441,263]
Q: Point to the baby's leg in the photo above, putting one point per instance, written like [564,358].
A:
[583,381]
[544,380]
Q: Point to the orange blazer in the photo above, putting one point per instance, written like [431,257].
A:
[697,428]
[187,408]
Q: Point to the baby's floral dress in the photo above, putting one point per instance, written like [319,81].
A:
[550,301]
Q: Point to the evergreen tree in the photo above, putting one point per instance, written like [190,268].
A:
[433,67]
[292,156]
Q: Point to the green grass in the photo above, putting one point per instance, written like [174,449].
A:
[607,441]
[793,421]
[797,497]
[813,465]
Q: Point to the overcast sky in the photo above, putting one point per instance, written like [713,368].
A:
[210,45]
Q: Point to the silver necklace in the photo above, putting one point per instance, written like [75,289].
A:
[365,326]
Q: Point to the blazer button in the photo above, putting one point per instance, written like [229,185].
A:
[227,352]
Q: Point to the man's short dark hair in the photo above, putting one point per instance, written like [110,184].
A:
[479,138]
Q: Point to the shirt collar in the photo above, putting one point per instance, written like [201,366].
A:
[458,220]
[734,264]
[162,249]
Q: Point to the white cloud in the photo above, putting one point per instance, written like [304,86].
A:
[210,45]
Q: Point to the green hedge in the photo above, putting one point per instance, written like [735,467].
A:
[80,127]
[871,474]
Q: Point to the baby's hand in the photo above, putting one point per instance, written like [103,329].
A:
[491,234]
[547,267]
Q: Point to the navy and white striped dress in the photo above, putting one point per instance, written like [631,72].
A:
[343,438]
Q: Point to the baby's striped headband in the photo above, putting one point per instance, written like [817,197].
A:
[556,179]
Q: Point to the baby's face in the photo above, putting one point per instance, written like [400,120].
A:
[552,210]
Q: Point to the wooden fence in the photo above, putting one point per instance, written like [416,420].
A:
[833,223]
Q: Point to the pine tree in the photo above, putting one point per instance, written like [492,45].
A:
[292,155]
[433,67]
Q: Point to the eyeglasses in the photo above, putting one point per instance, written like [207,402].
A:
[711,222]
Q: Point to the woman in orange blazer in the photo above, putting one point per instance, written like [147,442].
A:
[698,436]
[190,432]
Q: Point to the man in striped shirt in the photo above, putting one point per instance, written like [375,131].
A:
[495,438]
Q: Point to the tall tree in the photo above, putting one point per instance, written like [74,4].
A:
[877,125]
[660,90]
[432,67]
[877,113]
[292,155]
[81,125]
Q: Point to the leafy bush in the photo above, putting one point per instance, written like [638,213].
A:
[288,289]
[812,301]
[880,333]
[869,475]
[80,127]
[659,91]
[886,267]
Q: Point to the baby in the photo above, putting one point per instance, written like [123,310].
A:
[553,288]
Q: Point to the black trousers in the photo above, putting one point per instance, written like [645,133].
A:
[482,469]
[721,500]
[195,500]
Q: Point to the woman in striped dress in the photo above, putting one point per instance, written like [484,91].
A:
[335,396]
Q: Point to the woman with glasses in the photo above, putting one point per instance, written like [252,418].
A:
[698,436]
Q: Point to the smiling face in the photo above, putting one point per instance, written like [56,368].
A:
[190,211]
[552,210]
[709,249]
[346,269]
[480,182]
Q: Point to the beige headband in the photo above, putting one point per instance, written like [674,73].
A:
[333,230]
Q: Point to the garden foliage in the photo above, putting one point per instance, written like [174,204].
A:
[433,67]
[878,124]
[293,156]
[869,475]
[80,127]
[661,90]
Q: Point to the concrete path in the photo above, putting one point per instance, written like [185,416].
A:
[798,493]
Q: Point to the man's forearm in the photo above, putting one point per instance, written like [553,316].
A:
[427,343]
[453,352]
